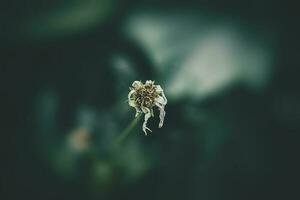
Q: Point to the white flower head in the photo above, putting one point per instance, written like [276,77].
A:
[143,97]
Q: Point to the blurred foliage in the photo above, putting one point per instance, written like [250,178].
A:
[229,70]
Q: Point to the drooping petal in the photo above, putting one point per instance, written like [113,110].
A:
[162,113]
[161,100]
[137,111]
[165,98]
[130,100]
[152,113]
[147,116]
[159,90]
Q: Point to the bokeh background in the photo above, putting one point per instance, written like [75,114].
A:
[229,70]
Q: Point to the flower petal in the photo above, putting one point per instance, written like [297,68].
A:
[147,116]
[152,113]
[161,100]
[165,98]
[162,113]
[137,84]
[159,90]
[137,111]
[130,95]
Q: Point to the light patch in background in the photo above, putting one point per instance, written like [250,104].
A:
[165,37]
[71,18]
[201,56]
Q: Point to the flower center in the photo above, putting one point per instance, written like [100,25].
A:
[145,96]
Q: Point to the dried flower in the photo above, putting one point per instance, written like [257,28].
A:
[143,97]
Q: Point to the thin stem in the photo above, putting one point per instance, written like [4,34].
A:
[128,129]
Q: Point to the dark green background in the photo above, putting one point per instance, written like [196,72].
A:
[239,143]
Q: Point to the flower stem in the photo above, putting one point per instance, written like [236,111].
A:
[128,129]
